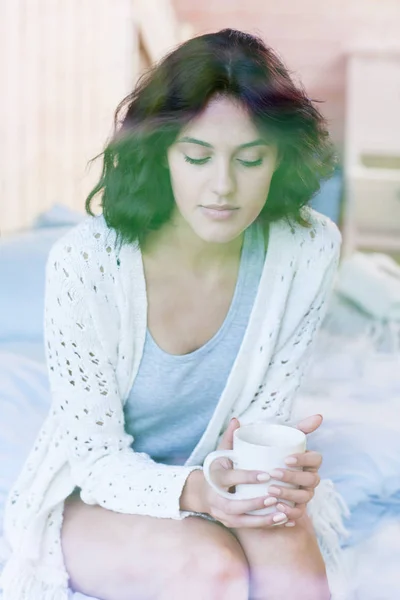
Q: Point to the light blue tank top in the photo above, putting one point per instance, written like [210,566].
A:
[174,397]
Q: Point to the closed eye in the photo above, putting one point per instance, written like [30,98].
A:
[202,161]
[193,161]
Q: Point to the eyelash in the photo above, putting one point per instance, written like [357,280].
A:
[202,161]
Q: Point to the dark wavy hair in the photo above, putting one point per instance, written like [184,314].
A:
[137,196]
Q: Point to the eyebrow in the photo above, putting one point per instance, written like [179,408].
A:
[259,142]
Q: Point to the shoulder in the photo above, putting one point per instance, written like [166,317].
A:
[322,230]
[87,242]
[311,260]
[318,238]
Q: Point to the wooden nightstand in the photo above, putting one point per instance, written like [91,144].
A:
[371,212]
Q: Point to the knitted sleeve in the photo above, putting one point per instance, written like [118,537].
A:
[273,400]
[86,400]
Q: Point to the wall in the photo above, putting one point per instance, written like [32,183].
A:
[312,37]
[64,67]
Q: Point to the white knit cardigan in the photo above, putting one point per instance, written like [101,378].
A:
[95,325]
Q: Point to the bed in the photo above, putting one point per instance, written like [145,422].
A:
[354,381]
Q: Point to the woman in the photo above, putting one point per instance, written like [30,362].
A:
[191,300]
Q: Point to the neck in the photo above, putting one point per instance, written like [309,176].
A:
[178,243]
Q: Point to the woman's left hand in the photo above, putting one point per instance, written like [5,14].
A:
[307,479]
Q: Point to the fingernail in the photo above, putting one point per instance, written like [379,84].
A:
[276,474]
[270,501]
[263,477]
[279,517]
[290,524]
[274,490]
[291,460]
[282,507]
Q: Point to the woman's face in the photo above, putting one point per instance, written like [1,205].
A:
[220,172]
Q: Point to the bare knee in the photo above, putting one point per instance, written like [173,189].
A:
[205,561]
[217,575]
[221,559]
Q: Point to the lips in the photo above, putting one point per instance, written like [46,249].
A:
[219,207]
[217,212]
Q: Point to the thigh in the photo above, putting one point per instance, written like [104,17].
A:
[105,550]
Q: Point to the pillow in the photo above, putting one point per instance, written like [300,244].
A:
[58,216]
[35,350]
[329,197]
[23,258]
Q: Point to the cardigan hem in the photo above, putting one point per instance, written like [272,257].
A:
[23,580]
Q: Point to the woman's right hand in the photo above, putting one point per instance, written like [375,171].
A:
[231,513]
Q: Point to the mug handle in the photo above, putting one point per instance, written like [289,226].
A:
[206,470]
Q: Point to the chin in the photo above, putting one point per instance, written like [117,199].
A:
[217,234]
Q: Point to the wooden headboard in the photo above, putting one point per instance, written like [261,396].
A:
[67,67]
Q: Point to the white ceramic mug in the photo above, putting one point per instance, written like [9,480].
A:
[259,447]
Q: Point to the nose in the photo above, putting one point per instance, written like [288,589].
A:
[224,180]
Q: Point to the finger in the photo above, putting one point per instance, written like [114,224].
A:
[239,507]
[227,439]
[300,478]
[310,424]
[252,521]
[292,513]
[233,477]
[302,496]
[309,460]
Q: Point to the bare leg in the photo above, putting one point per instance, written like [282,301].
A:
[114,556]
[284,563]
